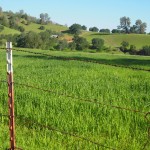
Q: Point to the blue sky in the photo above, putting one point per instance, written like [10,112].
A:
[99,13]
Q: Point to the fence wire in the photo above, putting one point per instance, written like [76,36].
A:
[63,132]
[94,101]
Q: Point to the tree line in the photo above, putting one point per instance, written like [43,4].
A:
[45,40]
[131,49]
[11,20]
[125,27]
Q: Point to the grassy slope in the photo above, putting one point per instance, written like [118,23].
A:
[110,40]
[35,27]
[118,59]
[115,40]
[9,31]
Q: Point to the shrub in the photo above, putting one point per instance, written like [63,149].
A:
[72,45]
[42,28]
[62,45]
[21,29]
[81,43]
[145,51]
[124,46]
[97,43]
[1,28]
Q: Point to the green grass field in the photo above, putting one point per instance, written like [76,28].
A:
[111,86]
[114,40]
[7,31]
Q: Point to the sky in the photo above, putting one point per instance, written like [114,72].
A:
[99,13]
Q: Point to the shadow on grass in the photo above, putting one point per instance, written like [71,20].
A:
[136,64]
[101,34]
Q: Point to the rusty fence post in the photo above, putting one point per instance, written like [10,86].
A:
[10,94]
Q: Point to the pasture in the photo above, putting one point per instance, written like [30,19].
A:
[75,104]
[114,40]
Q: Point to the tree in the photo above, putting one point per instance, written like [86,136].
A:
[116,31]
[94,29]
[72,45]
[84,27]
[132,47]
[81,43]
[124,46]
[97,43]
[44,18]
[139,27]
[104,31]
[21,28]
[145,50]
[133,29]
[21,12]
[45,38]
[47,18]
[4,21]
[42,28]
[125,24]
[75,29]
[143,28]
[21,40]
[32,40]
[1,10]
[12,22]
[25,16]
[133,50]
[62,45]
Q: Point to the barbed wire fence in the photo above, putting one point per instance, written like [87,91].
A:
[28,121]
[93,101]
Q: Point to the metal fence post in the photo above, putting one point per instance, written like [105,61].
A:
[10,94]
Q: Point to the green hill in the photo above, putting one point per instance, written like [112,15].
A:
[7,31]
[35,27]
[114,40]
[111,40]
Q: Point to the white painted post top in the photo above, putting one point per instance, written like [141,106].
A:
[8,45]
[9,57]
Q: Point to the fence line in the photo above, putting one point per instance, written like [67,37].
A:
[90,101]
[29,121]
[88,60]
[94,101]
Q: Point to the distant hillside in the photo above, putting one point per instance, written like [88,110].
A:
[114,40]
[23,22]
[35,27]
[15,23]
[7,31]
